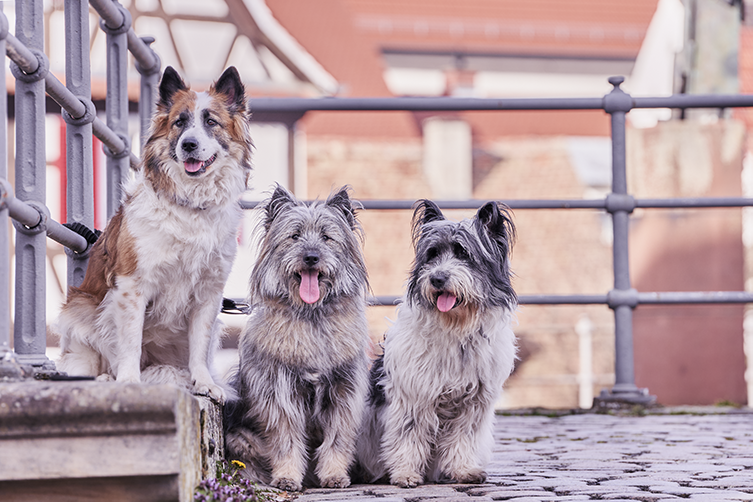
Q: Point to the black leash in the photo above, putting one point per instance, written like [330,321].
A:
[236,308]
[87,233]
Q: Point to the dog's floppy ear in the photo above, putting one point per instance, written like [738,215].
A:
[279,199]
[230,85]
[169,85]
[341,201]
[493,218]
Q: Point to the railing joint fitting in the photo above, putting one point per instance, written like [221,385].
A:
[155,68]
[125,25]
[87,118]
[622,297]
[615,202]
[41,226]
[41,72]
[617,100]
[125,152]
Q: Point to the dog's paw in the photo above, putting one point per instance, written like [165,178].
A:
[211,390]
[287,484]
[336,482]
[474,476]
[406,480]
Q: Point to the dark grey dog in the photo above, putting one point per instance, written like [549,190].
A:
[303,375]
[431,407]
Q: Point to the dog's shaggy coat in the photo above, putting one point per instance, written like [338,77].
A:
[147,308]
[431,407]
[303,373]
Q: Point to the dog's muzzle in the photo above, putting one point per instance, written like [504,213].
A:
[196,167]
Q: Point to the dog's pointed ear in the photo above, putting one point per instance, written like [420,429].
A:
[169,85]
[231,87]
[280,198]
[341,201]
[494,219]
[424,211]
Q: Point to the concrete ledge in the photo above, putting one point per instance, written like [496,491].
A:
[94,440]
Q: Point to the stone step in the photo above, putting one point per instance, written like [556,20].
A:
[89,440]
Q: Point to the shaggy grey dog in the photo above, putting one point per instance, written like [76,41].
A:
[303,374]
[431,408]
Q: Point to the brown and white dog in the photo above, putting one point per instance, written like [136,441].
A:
[147,308]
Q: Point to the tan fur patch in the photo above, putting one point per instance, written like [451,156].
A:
[112,255]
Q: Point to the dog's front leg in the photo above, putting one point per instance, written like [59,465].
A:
[285,414]
[406,444]
[465,443]
[128,306]
[202,320]
[341,423]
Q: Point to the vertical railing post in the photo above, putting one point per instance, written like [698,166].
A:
[5,352]
[148,95]
[116,102]
[29,329]
[79,160]
[622,299]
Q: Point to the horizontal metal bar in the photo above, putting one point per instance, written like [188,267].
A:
[678,203]
[649,298]
[562,299]
[664,298]
[470,204]
[30,217]
[695,101]
[695,202]
[302,105]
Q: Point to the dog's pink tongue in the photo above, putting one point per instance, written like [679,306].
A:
[192,166]
[309,290]
[445,302]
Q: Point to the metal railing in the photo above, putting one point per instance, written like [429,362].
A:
[622,299]
[30,67]
[33,225]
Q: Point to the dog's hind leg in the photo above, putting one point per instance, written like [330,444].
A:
[243,444]
[78,359]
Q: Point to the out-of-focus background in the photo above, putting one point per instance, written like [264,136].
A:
[500,49]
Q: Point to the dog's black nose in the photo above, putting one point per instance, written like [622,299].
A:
[311,259]
[190,144]
[438,280]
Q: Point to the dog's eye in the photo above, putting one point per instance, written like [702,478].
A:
[295,237]
[211,122]
[179,123]
[326,237]
[459,251]
[431,253]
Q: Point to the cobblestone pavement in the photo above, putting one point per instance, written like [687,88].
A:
[673,455]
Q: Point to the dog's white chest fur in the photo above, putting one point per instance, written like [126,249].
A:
[179,246]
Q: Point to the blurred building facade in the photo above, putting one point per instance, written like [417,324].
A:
[502,48]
